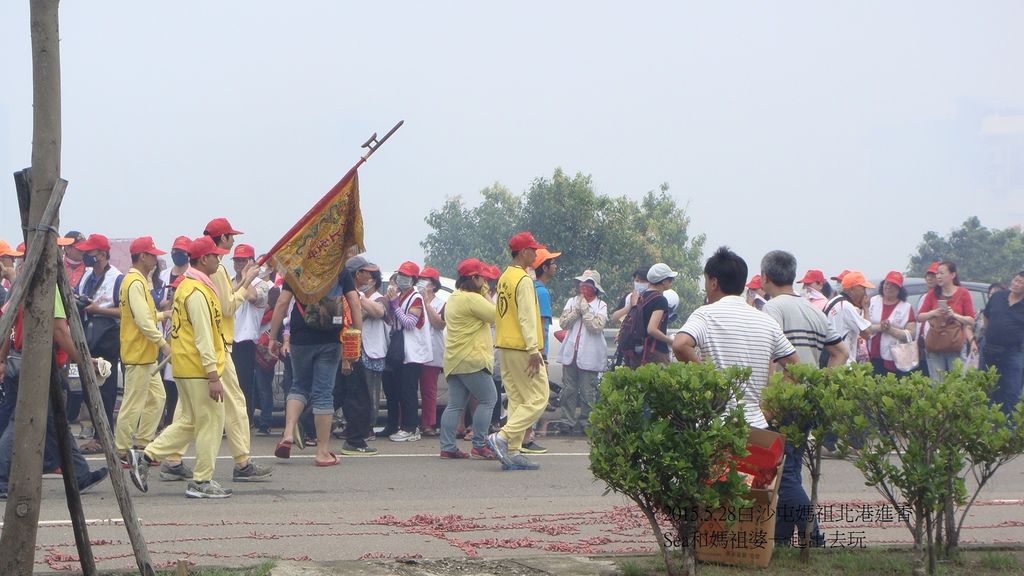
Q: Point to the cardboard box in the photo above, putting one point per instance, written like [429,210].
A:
[750,540]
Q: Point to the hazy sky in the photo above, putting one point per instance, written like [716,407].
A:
[840,131]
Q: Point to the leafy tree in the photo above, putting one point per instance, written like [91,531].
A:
[799,408]
[613,235]
[661,435]
[981,254]
[918,440]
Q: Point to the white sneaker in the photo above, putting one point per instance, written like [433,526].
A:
[403,436]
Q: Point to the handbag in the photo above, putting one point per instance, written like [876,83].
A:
[395,356]
[905,354]
[944,336]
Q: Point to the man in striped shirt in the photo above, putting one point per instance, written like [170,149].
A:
[810,332]
[730,333]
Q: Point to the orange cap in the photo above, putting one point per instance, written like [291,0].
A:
[854,278]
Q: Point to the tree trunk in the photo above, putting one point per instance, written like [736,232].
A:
[21,518]
[805,551]
[652,519]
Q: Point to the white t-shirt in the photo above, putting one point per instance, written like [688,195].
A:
[732,333]
[848,321]
[104,296]
[249,315]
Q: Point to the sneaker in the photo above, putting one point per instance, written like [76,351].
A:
[532,447]
[453,454]
[251,472]
[404,436]
[94,478]
[85,432]
[210,489]
[139,469]
[264,431]
[371,437]
[174,472]
[519,462]
[429,432]
[352,450]
[55,474]
[483,453]
[499,446]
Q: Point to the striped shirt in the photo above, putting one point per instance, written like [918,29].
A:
[732,333]
[804,325]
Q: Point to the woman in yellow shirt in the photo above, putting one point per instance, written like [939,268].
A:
[468,360]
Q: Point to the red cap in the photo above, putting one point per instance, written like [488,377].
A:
[470,267]
[755,282]
[21,248]
[813,276]
[94,242]
[409,269]
[933,269]
[220,227]
[181,243]
[244,251]
[894,277]
[522,241]
[839,277]
[145,245]
[202,246]
[490,272]
[431,273]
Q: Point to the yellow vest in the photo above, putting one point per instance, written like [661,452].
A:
[135,347]
[185,358]
[508,332]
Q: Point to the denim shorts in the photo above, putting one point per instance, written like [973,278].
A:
[314,367]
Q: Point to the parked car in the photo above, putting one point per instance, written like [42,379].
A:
[916,288]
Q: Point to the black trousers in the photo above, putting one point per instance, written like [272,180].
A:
[108,388]
[389,383]
[353,397]
[243,354]
[408,395]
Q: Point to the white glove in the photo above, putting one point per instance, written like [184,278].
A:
[102,367]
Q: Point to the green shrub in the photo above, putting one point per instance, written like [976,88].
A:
[661,435]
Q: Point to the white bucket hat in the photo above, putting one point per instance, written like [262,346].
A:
[591,276]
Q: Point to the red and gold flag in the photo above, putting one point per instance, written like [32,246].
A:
[312,253]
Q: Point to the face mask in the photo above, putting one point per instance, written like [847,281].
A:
[588,291]
[640,286]
[422,284]
[179,258]
[403,282]
[265,271]
[89,260]
[368,289]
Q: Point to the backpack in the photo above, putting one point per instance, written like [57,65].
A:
[633,331]
[825,354]
[327,314]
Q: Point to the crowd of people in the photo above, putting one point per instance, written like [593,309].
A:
[225,333]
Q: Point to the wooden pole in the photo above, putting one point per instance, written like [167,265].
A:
[21,516]
[23,183]
[67,466]
[91,393]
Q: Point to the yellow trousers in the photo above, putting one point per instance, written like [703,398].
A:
[236,417]
[141,407]
[527,396]
[201,420]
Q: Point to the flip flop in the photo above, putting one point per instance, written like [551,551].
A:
[284,449]
[334,462]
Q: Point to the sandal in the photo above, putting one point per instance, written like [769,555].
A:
[334,462]
[284,449]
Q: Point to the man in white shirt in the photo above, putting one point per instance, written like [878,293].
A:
[729,332]
[846,313]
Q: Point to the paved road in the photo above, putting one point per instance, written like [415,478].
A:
[408,502]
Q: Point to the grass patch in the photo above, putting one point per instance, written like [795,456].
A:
[862,562]
[261,570]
